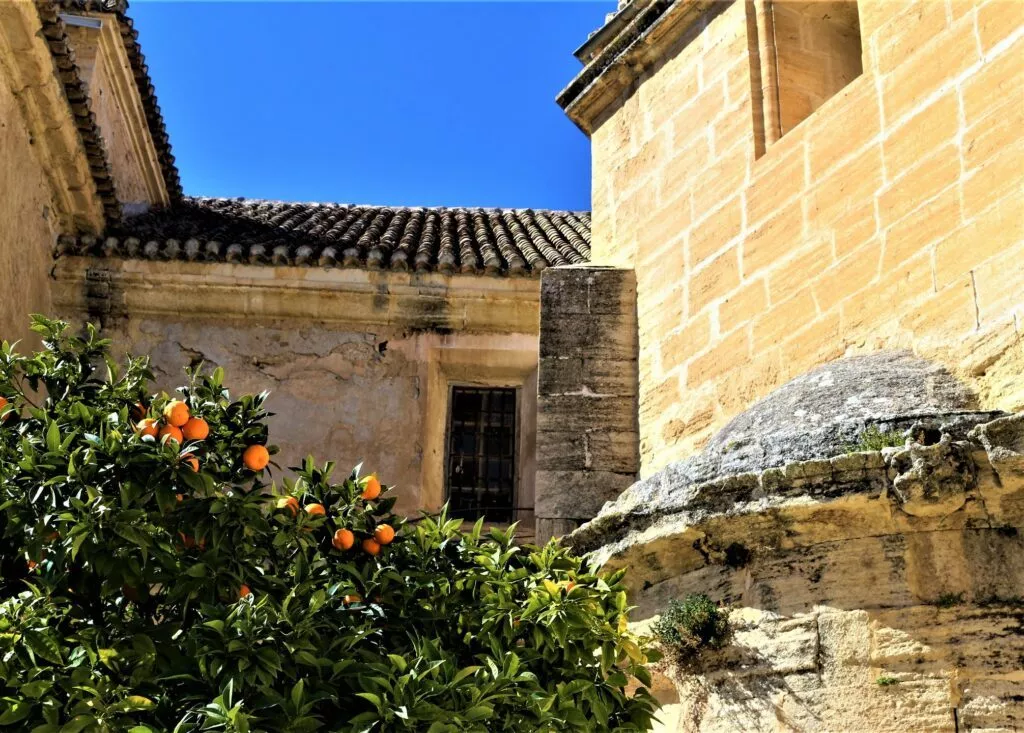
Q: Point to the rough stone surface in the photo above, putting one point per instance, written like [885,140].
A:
[878,590]
[587,394]
[796,441]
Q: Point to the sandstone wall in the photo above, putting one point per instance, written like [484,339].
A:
[45,182]
[27,226]
[869,591]
[891,217]
[362,376]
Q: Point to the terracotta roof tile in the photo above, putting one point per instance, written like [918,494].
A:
[494,242]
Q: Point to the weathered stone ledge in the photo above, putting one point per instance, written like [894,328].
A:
[976,480]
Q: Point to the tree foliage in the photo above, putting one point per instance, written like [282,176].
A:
[139,594]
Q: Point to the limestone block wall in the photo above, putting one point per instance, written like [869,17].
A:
[892,216]
[27,226]
[587,390]
[45,182]
[358,364]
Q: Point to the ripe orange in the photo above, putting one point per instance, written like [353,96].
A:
[32,564]
[343,539]
[176,413]
[570,585]
[290,503]
[138,411]
[149,427]
[353,598]
[244,591]
[372,489]
[191,461]
[195,429]
[3,404]
[316,510]
[256,458]
[180,497]
[172,432]
[384,534]
[371,547]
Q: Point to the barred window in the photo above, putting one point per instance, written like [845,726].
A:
[481,461]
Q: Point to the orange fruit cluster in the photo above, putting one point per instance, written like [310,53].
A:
[177,424]
[343,538]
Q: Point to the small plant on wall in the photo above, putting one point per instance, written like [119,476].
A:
[154,579]
[691,626]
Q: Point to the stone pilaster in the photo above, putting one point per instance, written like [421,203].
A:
[587,437]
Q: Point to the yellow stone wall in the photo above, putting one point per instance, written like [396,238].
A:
[891,216]
[45,183]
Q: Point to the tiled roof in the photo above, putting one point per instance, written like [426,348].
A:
[48,10]
[449,240]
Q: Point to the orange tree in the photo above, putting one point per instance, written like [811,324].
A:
[153,580]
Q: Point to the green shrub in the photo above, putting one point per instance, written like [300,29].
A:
[141,594]
[688,627]
[873,439]
[948,600]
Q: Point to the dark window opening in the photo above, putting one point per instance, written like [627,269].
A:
[481,461]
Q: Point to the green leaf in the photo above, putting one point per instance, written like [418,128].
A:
[14,711]
[77,724]
[371,698]
[43,646]
[53,437]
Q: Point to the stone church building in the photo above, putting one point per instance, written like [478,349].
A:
[779,363]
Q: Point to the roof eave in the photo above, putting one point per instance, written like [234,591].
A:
[633,42]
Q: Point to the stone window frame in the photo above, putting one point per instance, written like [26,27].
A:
[479,367]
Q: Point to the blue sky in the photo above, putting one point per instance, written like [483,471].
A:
[417,103]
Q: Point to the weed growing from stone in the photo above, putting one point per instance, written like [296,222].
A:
[948,600]
[885,681]
[688,627]
[873,439]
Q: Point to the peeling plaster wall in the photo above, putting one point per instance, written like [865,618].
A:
[344,395]
[334,393]
[27,222]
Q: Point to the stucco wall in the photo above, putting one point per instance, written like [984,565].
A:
[363,376]
[891,217]
[27,222]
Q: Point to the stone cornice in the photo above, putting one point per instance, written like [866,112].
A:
[26,62]
[629,44]
[108,288]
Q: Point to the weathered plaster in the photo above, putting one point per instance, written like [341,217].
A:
[358,363]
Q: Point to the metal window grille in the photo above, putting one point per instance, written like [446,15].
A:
[481,462]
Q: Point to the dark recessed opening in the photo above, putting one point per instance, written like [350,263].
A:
[481,460]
